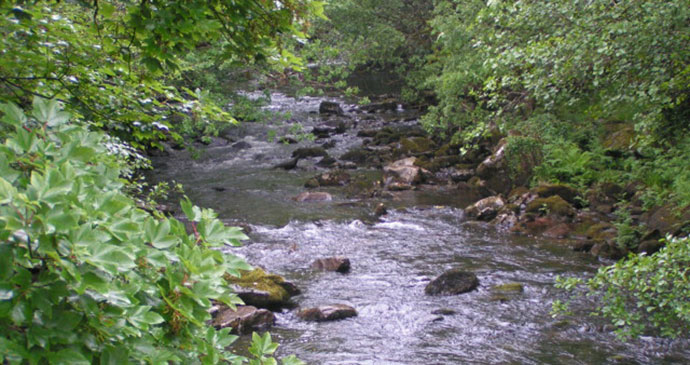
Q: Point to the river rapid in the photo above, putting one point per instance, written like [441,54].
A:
[393,258]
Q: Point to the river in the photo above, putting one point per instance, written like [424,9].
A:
[393,258]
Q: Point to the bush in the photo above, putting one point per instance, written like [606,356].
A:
[86,276]
[644,294]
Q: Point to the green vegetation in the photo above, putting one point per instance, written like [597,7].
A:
[643,294]
[86,275]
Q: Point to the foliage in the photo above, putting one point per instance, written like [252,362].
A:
[110,61]
[562,73]
[86,276]
[390,34]
[643,293]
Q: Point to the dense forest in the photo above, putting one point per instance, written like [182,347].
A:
[584,104]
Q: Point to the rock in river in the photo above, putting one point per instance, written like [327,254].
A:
[329,107]
[452,282]
[245,319]
[263,290]
[338,264]
[327,313]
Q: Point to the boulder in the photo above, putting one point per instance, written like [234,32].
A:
[564,191]
[552,206]
[485,209]
[245,319]
[241,145]
[327,313]
[403,172]
[315,196]
[650,246]
[329,107]
[262,290]
[337,264]
[416,145]
[458,175]
[452,282]
[327,161]
[305,152]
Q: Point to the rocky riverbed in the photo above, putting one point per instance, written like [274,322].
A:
[351,230]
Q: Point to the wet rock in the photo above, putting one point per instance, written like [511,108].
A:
[608,250]
[262,290]
[245,319]
[444,312]
[452,282]
[505,219]
[561,230]
[332,178]
[554,206]
[328,145]
[381,106]
[241,145]
[494,170]
[327,161]
[329,107]
[305,152]
[380,210]
[403,172]
[287,165]
[357,154]
[218,188]
[485,209]
[327,313]
[458,175]
[650,246]
[315,196]
[416,145]
[327,130]
[367,133]
[564,191]
[337,264]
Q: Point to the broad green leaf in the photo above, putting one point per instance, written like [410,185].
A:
[68,357]
[13,115]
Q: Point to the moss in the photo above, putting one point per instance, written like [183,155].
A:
[417,145]
[564,191]
[553,205]
[260,280]
[508,288]
[601,232]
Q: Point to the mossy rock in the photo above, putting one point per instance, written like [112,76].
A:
[263,290]
[508,288]
[553,205]
[305,152]
[618,137]
[517,192]
[566,192]
[436,163]
[357,155]
[417,145]
[602,232]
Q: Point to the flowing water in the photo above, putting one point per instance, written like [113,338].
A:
[393,258]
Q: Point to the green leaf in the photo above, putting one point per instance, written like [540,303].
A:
[292,360]
[115,356]
[68,357]
[13,114]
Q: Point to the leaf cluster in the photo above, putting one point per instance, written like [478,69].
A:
[86,276]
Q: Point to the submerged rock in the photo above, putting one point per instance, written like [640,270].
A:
[452,282]
[332,178]
[263,290]
[338,264]
[315,196]
[245,319]
[327,313]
